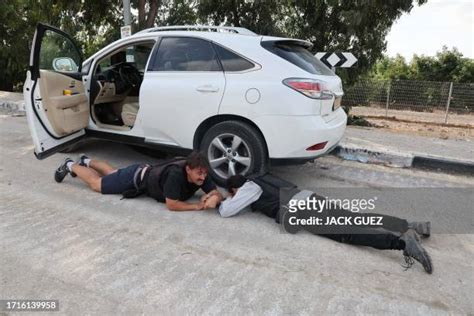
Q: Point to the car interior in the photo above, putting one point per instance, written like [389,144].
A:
[116,86]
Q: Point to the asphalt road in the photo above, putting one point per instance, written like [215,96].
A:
[102,255]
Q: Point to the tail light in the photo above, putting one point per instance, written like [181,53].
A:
[312,88]
[318,146]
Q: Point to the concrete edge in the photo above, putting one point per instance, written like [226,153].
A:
[364,155]
[444,164]
[404,160]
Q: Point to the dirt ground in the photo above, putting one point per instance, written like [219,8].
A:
[424,129]
[460,126]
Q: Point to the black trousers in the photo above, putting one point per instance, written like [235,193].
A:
[360,229]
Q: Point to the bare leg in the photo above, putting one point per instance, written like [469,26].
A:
[101,167]
[89,176]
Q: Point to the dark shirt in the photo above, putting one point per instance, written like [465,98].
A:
[275,191]
[175,185]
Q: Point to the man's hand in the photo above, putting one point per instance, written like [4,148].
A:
[212,199]
[200,206]
[204,198]
[212,202]
[207,201]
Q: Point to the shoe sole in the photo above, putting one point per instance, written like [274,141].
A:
[58,178]
[428,266]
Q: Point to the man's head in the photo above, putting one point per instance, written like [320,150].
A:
[233,183]
[196,167]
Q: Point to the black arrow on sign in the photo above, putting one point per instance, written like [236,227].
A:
[324,59]
[342,61]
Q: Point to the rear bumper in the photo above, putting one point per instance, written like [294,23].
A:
[288,137]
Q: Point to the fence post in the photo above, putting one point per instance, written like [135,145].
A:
[388,98]
[448,102]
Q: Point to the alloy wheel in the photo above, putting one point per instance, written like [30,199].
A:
[229,155]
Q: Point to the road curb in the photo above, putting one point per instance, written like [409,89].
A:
[443,164]
[364,155]
[403,160]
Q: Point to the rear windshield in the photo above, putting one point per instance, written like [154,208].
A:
[299,56]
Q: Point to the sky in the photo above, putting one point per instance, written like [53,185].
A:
[428,27]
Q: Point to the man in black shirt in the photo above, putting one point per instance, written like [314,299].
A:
[171,182]
[179,183]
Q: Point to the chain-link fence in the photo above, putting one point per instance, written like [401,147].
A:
[418,101]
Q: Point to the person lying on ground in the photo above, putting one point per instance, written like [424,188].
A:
[172,182]
[264,193]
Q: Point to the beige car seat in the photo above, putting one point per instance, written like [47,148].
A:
[129,113]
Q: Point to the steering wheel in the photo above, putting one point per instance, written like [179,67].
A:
[129,74]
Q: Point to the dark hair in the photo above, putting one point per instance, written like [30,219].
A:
[235,182]
[197,160]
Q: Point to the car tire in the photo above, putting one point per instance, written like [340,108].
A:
[250,156]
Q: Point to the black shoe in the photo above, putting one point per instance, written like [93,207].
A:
[285,221]
[62,171]
[414,250]
[422,228]
[81,161]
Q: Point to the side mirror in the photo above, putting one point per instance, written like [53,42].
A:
[65,64]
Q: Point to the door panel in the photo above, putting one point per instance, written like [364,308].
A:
[66,113]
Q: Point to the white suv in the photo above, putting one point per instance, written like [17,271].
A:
[243,99]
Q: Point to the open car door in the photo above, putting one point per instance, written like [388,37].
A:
[56,103]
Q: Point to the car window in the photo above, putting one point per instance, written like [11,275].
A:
[137,55]
[58,53]
[140,54]
[299,56]
[231,61]
[185,54]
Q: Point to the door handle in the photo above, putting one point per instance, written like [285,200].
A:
[207,88]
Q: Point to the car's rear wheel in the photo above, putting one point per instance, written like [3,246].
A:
[232,148]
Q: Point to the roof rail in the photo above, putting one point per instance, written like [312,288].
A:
[204,28]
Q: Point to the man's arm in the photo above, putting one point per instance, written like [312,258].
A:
[176,205]
[172,190]
[246,195]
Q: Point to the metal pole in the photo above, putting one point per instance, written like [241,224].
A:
[126,12]
[448,102]
[388,99]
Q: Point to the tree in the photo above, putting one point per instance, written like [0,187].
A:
[147,12]
[177,12]
[90,22]
[391,68]
[262,17]
[358,26]
[446,65]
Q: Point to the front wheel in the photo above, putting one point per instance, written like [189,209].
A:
[233,148]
